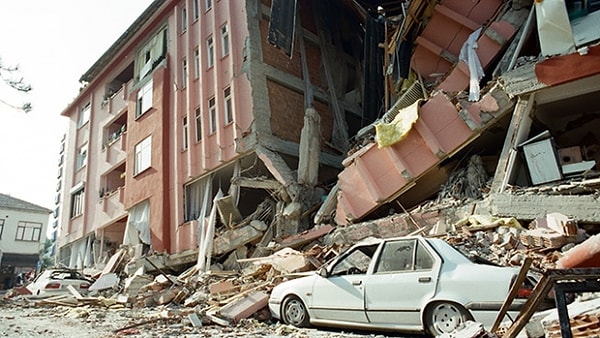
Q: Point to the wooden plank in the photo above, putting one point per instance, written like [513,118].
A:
[513,293]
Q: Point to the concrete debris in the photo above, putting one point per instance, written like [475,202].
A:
[239,262]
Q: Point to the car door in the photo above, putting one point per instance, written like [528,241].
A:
[404,277]
[340,296]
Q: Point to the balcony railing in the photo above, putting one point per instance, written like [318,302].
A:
[118,100]
[112,202]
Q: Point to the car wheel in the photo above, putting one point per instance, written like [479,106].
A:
[294,312]
[445,317]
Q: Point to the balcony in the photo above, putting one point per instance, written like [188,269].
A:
[112,203]
[114,150]
[117,101]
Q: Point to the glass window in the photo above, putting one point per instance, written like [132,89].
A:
[82,157]
[77,200]
[84,115]
[208,4]
[196,63]
[1,227]
[228,105]
[183,19]
[143,152]
[184,72]
[151,53]
[224,40]
[210,52]
[28,231]
[198,125]
[184,134]
[405,255]
[212,109]
[356,261]
[195,9]
[144,100]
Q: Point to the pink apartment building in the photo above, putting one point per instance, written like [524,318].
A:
[221,113]
[193,99]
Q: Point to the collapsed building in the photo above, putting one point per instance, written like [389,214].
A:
[212,130]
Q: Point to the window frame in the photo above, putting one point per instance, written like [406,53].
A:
[36,231]
[228,105]
[208,5]
[77,202]
[2,221]
[184,19]
[184,72]
[196,63]
[225,45]
[195,9]
[144,98]
[84,115]
[143,156]
[210,52]
[212,115]
[184,133]
[198,119]
[82,155]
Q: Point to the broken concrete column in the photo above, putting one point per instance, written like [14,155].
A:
[308,166]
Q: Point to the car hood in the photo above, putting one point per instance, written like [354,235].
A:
[299,286]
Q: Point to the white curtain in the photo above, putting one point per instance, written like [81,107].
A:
[138,228]
[206,233]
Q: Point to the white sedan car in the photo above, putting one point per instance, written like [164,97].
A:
[55,281]
[412,284]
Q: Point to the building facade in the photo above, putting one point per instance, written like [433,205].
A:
[194,100]
[210,113]
[22,236]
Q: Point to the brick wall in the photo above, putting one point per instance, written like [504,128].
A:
[287,113]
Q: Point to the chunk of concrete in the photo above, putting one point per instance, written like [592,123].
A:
[105,281]
[245,307]
[233,239]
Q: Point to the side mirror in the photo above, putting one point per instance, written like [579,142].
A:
[323,272]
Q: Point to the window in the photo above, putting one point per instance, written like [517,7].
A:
[195,9]
[198,199]
[355,262]
[212,115]
[28,231]
[224,40]
[143,152]
[228,105]
[184,72]
[77,200]
[184,134]
[1,227]
[401,256]
[84,115]
[196,63]
[208,4]
[183,19]
[151,54]
[198,125]
[82,157]
[210,50]
[144,100]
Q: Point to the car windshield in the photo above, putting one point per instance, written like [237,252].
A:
[355,261]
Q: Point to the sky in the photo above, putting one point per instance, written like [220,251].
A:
[53,43]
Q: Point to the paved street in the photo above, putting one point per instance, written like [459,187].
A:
[23,319]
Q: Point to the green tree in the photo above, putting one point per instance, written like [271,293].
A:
[46,255]
[10,76]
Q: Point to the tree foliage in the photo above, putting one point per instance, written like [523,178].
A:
[46,254]
[10,76]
